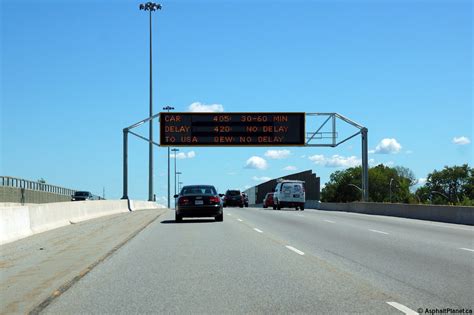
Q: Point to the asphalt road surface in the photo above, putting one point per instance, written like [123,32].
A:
[267,261]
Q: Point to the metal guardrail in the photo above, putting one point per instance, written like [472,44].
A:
[7,181]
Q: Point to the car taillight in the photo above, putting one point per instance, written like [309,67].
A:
[183,201]
[214,200]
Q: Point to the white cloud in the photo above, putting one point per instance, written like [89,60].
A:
[390,163]
[261,179]
[422,181]
[199,107]
[162,200]
[388,146]
[303,156]
[277,154]
[257,163]
[335,160]
[290,168]
[461,140]
[183,155]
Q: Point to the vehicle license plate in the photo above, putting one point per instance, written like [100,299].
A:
[198,202]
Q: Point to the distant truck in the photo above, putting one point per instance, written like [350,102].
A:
[289,194]
[82,195]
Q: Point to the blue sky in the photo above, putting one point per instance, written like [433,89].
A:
[74,74]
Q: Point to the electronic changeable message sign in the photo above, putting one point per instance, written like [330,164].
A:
[232,129]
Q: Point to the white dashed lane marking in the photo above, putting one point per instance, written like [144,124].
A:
[240,220]
[295,250]
[377,231]
[329,221]
[402,308]
[468,249]
[259,231]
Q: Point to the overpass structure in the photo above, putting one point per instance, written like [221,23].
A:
[19,190]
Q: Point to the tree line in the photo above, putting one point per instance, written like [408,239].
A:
[453,185]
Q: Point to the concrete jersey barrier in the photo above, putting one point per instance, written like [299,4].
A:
[21,221]
[447,214]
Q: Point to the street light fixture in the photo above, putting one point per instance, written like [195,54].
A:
[150,6]
[175,158]
[168,108]
[360,189]
[441,194]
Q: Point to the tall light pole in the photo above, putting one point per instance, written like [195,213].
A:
[168,108]
[150,6]
[177,183]
[391,180]
[175,158]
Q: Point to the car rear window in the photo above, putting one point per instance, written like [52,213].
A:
[195,190]
[81,193]
[233,192]
[294,187]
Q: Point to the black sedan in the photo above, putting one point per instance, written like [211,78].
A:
[198,201]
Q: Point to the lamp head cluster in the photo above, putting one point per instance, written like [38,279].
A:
[150,6]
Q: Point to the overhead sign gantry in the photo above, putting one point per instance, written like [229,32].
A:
[248,129]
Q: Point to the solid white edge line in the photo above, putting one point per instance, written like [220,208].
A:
[240,220]
[259,231]
[295,250]
[402,308]
[329,221]
[377,231]
[468,249]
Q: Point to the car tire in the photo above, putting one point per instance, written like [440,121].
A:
[278,206]
[297,208]
[241,206]
[178,218]
[220,217]
[264,206]
[302,208]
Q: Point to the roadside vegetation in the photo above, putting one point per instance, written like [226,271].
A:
[453,185]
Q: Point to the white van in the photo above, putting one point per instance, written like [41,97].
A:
[289,194]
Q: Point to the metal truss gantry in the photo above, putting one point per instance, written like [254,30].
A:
[332,136]
[311,138]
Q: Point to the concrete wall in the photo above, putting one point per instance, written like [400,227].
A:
[448,214]
[21,221]
[22,195]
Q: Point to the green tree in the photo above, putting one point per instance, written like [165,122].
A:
[451,185]
[341,185]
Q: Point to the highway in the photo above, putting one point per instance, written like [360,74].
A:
[266,261]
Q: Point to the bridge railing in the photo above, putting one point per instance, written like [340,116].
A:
[8,181]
